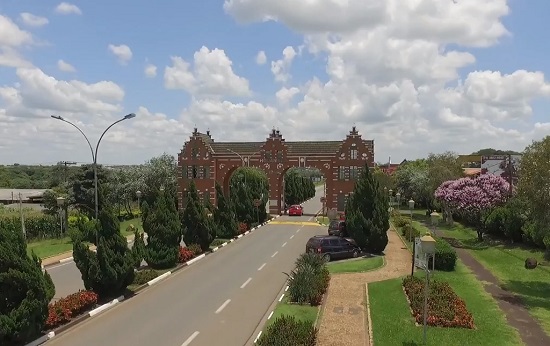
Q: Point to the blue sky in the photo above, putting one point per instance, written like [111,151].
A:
[156,32]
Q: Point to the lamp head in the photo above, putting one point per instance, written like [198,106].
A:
[129,116]
[58,117]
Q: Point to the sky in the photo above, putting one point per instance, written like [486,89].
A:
[417,76]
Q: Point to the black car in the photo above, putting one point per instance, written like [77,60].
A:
[333,247]
[337,227]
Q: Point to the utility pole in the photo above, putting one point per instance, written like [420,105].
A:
[21,216]
[510,171]
[66,163]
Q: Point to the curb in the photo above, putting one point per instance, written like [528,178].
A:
[76,321]
[369,322]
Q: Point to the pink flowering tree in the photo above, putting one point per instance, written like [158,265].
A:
[469,198]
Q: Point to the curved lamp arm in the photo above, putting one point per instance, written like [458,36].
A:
[57,117]
[129,116]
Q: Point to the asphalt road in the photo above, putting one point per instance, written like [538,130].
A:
[219,300]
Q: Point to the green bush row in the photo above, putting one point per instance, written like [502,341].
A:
[288,331]
[37,225]
[445,256]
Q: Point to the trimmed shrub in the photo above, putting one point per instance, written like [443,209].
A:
[286,331]
[144,276]
[409,231]
[445,308]
[309,281]
[243,227]
[65,309]
[401,221]
[445,256]
[195,249]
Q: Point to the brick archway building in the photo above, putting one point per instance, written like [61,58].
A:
[206,161]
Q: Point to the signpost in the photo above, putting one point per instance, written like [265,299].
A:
[257,203]
[323,199]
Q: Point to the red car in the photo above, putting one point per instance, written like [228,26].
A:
[295,210]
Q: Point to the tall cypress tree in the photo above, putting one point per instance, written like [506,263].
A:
[163,228]
[24,291]
[224,215]
[111,269]
[196,227]
[367,215]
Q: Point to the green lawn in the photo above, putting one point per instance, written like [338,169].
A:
[52,247]
[393,324]
[323,220]
[506,262]
[356,265]
[300,312]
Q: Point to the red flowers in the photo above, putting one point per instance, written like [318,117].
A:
[185,255]
[242,227]
[63,310]
[445,308]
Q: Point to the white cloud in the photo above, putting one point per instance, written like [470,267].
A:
[150,71]
[12,38]
[33,20]
[122,52]
[67,8]
[285,95]
[280,68]
[261,58]
[65,66]
[211,75]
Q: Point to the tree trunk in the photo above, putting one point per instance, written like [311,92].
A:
[479,235]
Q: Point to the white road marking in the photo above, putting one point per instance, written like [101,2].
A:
[286,289]
[275,254]
[188,341]
[298,230]
[223,306]
[292,236]
[284,245]
[282,296]
[271,314]
[246,282]
[262,266]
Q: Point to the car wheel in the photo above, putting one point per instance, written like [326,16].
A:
[326,257]
[355,253]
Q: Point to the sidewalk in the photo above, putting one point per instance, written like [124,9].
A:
[344,319]
[517,315]
[48,261]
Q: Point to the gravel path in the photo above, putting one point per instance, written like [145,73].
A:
[344,320]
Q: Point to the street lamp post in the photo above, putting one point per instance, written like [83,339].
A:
[398,196]
[428,248]
[391,197]
[94,156]
[138,195]
[61,205]
[411,207]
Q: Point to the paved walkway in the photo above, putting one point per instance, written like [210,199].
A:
[344,320]
[516,313]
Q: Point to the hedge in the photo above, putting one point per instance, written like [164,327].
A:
[37,225]
[445,256]
[288,331]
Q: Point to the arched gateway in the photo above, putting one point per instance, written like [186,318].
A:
[206,161]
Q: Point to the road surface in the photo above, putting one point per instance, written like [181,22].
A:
[217,301]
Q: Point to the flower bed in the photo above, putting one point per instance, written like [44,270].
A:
[65,309]
[185,255]
[445,307]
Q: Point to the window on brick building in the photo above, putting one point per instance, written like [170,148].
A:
[354,154]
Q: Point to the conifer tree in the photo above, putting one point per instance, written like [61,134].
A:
[111,269]
[224,215]
[25,291]
[196,226]
[367,215]
[163,228]
[138,249]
